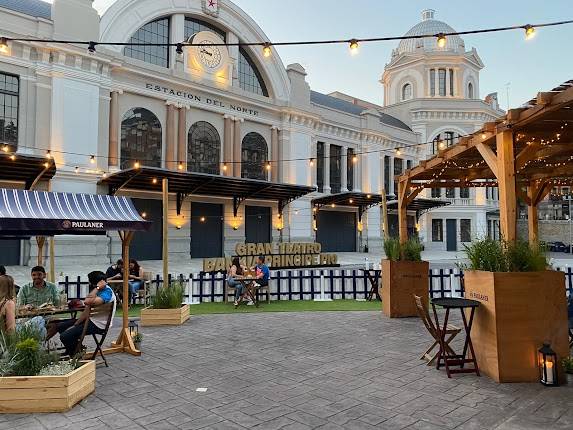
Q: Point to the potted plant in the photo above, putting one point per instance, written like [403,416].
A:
[166,308]
[568,365]
[137,341]
[522,306]
[404,275]
[33,379]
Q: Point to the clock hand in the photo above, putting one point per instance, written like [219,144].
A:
[204,51]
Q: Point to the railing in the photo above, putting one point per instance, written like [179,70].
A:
[302,284]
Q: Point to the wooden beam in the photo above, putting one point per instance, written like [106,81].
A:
[526,154]
[542,190]
[506,184]
[165,228]
[489,156]
[402,211]
[456,184]
[532,221]
[413,195]
[385,215]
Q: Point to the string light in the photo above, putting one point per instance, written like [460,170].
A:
[202,219]
[355,159]
[3,45]
[46,164]
[529,32]
[441,145]
[92,159]
[136,165]
[144,215]
[180,166]
[311,162]
[92,47]
[6,148]
[77,169]
[179,49]
[483,136]
[154,181]
[354,47]
[398,152]
[441,40]
[13,157]
[269,166]
[224,167]
[48,154]
[267,51]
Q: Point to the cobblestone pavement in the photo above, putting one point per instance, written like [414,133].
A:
[323,370]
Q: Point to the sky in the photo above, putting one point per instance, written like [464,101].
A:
[511,63]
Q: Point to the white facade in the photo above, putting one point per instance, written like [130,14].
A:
[73,103]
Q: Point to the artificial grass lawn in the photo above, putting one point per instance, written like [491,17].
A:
[275,306]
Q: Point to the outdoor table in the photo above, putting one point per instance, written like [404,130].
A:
[117,287]
[247,282]
[456,359]
[49,312]
[374,283]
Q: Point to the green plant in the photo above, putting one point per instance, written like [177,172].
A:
[138,338]
[392,248]
[568,364]
[499,256]
[169,298]
[409,251]
[59,369]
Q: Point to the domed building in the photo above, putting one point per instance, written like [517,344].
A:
[436,91]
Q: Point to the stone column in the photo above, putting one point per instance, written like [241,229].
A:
[237,148]
[228,146]
[437,81]
[113,149]
[313,151]
[274,154]
[327,168]
[447,82]
[392,190]
[344,169]
[182,138]
[170,138]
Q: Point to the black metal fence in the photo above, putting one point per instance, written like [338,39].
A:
[302,284]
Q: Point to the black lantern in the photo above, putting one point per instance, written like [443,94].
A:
[547,360]
[133,328]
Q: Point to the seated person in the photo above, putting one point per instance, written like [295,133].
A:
[236,270]
[115,271]
[3,273]
[39,291]
[71,331]
[262,275]
[135,279]
[7,305]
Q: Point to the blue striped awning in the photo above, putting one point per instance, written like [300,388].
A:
[35,213]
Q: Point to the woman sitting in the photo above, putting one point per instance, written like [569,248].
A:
[236,270]
[135,279]
[7,304]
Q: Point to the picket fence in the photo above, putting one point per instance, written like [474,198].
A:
[301,284]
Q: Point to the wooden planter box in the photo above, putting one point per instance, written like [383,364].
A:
[401,280]
[518,313]
[155,317]
[30,394]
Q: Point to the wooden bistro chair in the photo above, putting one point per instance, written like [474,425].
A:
[451,332]
[146,291]
[106,310]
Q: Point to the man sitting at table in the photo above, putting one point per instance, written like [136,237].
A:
[71,331]
[262,274]
[115,271]
[39,291]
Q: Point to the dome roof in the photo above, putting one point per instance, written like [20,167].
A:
[429,25]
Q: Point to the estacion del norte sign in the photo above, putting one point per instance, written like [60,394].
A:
[277,255]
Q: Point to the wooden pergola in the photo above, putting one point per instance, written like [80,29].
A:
[525,153]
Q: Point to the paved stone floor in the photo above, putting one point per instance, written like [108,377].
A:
[298,371]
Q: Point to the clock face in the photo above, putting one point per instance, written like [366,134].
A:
[209,54]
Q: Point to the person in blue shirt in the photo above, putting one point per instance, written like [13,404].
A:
[71,331]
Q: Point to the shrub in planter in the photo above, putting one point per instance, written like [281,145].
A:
[166,308]
[522,306]
[404,275]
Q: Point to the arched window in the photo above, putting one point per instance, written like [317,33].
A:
[407,92]
[194,25]
[152,32]
[444,140]
[140,139]
[250,79]
[470,91]
[254,157]
[203,149]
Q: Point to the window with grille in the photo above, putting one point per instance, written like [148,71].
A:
[464,193]
[254,157]
[465,230]
[433,82]
[436,193]
[9,104]
[152,32]
[141,139]
[451,89]
[203,149]
[442,81]
[450,193]
[335,168]
[470,91]
[194,26]
[350,169]
[250,79]
[407,92]
[437,230]
[398,170]
[320,166]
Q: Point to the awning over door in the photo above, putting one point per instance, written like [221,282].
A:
[40,213]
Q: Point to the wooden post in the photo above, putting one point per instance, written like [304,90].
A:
[40,240]
[532,221]
[165,253]
[124,342]
[506,183]
[52,273]
[385,215]
[402,210]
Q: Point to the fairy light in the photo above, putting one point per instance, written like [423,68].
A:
[77,170]
[311,162]
[202,219]
[441,40]
[268,166]
[48,154]
[267,51]
[136,165]
[180,166]
[354,47]
[355,158]
[529,32]
[92,159]
[3,45]
[154,181]
[6,148]
[13,157]
[224,167]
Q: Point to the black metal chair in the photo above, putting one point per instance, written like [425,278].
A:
[97,311]
[570,318]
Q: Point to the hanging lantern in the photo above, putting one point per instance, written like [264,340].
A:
[133,328]
[547,366]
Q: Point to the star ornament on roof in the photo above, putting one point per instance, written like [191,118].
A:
[211,7]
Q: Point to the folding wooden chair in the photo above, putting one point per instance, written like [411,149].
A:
[451,332]
[97,311]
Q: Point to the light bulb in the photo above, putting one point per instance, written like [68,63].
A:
[92,47]
[483,136]
[224,167]
[355,159]
[6,148]
[13,157]
[179,49]
[267,51]
[354,47]
[333,205]
[180,166]
[311,162]
[3,45]
[46,164]
[441,40]
[77,170]
[136,165]
[398,152]
[154,181]
[268,166]
[202,219]
[92,159]
[48,154]
[351,201]
[441,145]
[529,32]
